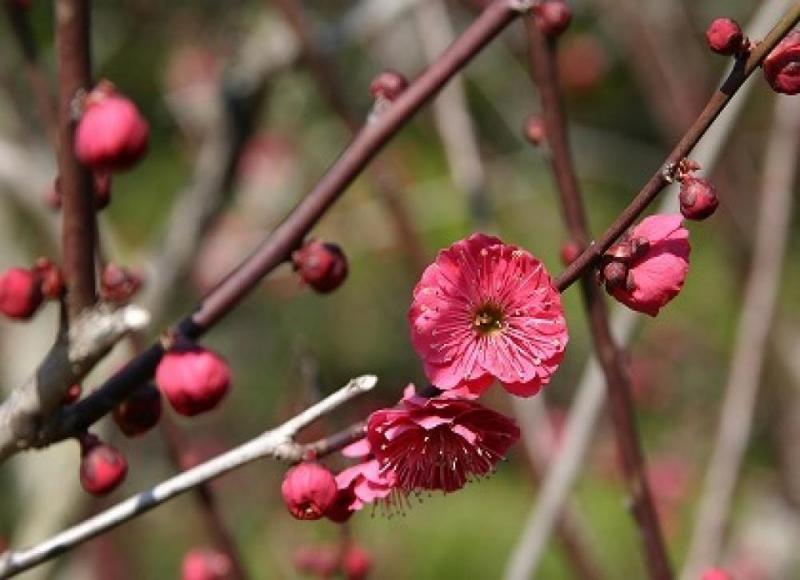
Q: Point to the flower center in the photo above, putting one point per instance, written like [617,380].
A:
[488,319]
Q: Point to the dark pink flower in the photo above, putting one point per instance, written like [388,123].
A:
[308,489]
[782,65]
[657,276]
[193,379]
[205,564]
[486,310]
[439,443]
[369,485]
[111,135]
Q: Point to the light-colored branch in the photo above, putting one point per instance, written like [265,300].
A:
[761,292]
[590,393]
[277,443]
[74,354]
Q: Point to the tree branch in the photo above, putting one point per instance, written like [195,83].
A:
[276,443]
[80,225]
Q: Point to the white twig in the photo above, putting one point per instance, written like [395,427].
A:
[760,296]
[583,416]
[277,443]
[90,338]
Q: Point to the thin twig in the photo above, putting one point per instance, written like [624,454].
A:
[74,78]
[543,54]
[761,291]
[277,443]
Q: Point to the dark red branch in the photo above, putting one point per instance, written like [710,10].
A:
[545,75]
[74,77]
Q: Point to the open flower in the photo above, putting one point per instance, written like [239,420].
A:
[439,443]
[486,310]
[657,276]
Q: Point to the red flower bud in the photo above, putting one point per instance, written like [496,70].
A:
[570,251]
[193,379]
[71,395]
[20,293]
[205,564]
[553,17]
[140,411]
[50,277]
[112,135]
[322,266]
[103,468]
[698,198]
[715,574]
[388,85]
[339,511]
[534,130]
[308,489]
[724,36]
[356,563]
[118,284]
[316,560]
[782,65]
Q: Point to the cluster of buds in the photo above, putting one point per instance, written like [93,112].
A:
[118,284]
[323,266]
[102,468]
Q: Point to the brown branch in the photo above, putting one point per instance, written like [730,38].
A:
[661,178]
[37,77]
[545,75]
[74,77]
[290,233]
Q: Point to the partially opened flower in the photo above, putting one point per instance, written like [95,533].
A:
[657,276]
[439,444]
[368,484]
[486,310]
[782,65]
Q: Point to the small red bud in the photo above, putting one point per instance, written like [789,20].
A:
[102,190]
[698,198]
[615,274]
[356,563]
[570,251]
[103,468]
[140,411]
[118,284]
[51,278]
[205,564]
[71,395]
[388,85]
[308,489]
[193,379]
[339,511]
[323,266]
[782,65]
[553,17]
[322,561]
[20,293]
[724,36]
[534,130]
[111,135]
